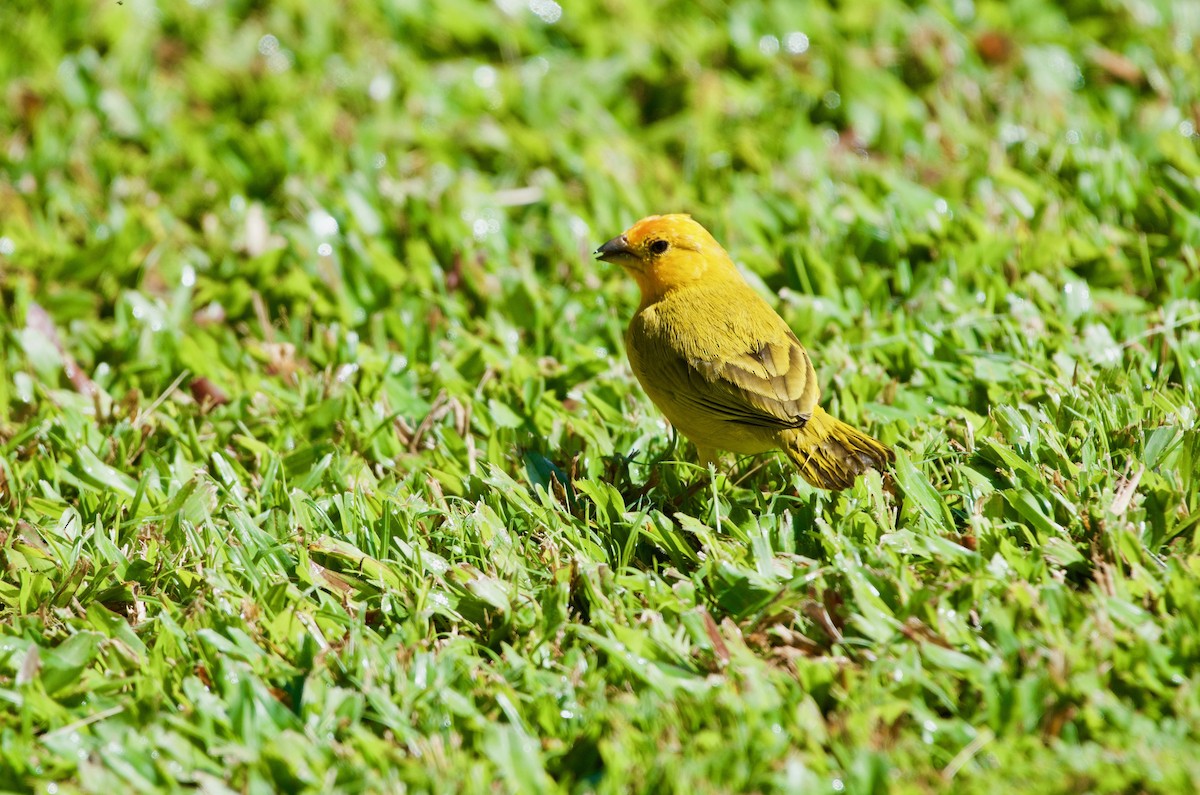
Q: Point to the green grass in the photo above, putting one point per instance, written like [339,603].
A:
[352,489]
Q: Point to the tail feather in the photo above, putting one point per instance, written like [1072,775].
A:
[830,454]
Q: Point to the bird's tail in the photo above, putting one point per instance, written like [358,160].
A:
[830,454]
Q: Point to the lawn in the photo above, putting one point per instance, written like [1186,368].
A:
[324,471]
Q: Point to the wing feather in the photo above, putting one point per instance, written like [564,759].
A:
[773,381]
[744,365]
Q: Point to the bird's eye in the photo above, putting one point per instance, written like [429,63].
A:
[658,246]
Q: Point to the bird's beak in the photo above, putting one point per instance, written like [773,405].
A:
[615,250]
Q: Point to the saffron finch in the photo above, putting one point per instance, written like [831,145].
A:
[721,364]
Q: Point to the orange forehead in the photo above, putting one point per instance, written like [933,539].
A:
[677,228]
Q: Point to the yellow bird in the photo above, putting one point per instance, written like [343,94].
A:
[721,364]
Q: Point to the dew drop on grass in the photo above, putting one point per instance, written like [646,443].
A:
[838,785]
[1078,298]
[188,277]
[324,250]
[380,87]
[485,76]
[1020,203]
[1100,347]
[796,43]
[7,246]
[546,10]
[322,223]
[535,67]
[1012,134]
[768,45]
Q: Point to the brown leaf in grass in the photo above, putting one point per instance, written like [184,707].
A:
[206,393]
[39,320]
[1116,66]
[994,47]
[714,635]
[1126,488]
[331,580]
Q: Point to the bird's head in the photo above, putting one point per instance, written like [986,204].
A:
[665,252]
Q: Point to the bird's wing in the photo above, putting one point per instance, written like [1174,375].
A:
[768,385]
[730,357]
[771,384]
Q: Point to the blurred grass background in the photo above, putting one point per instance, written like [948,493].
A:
[323,470]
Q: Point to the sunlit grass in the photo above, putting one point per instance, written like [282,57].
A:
[323,469]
